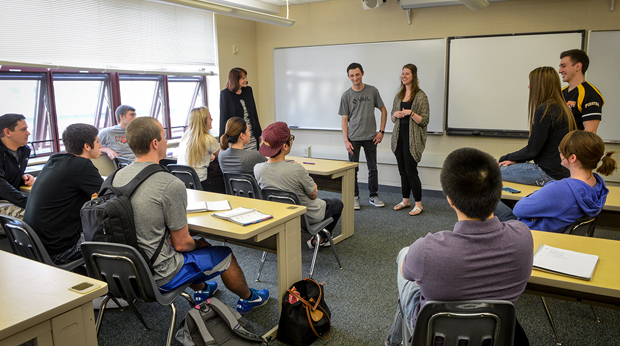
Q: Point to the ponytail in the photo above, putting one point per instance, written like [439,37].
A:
[223,142]
[609,164]
[234,127]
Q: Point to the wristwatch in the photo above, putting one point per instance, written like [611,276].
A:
[382,132]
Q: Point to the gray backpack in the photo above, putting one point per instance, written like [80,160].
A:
[216,324]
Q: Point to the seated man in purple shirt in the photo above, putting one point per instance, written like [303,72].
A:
[482,258]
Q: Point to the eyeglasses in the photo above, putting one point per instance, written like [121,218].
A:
[292,138]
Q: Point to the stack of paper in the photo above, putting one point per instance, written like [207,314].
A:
[565,262]
[198,207]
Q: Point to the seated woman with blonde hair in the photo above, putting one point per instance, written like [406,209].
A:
[197,147]
[560,203]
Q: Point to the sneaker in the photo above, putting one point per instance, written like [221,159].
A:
[97,302]
[356,203]
[322,243]
[258,298]
[206,293]
[376,201]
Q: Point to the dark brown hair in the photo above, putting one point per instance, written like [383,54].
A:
[415,87]
[545,89]
[577,55]
[233,78]
[234,127]
[589,150]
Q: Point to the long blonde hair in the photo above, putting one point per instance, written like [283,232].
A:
[545,88]
[198,136]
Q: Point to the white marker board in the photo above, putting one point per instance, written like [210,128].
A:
[309,81]
[488,79]
[604,73]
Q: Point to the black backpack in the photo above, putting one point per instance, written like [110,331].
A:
[109,217]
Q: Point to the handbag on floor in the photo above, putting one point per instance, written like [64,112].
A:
[215,324]
[305,316]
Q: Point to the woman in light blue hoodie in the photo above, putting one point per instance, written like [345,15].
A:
[560,203]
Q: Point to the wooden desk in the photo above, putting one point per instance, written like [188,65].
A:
[36,304]
[602,290]
[335,176]
[281,235]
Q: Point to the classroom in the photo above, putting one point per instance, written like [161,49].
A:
[345,22]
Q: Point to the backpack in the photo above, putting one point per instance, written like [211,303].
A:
[109,217]
[216,324]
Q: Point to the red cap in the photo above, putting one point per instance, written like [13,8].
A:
[274,137]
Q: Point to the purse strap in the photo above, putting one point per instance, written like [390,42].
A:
[312,326]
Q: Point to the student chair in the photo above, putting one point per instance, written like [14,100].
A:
[470,322]
[128,277]
[583,226]
[121,162]
[314,229]
[244,185]
[26,243]
[187,175]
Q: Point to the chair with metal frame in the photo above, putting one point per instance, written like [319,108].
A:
[244,185]
[121,162]
[128,277]
[475,322]
[187,175]
[314,229]
[26,243]
[584,226]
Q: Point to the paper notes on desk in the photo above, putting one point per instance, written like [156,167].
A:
[198,207]
[243,216]
[565,262]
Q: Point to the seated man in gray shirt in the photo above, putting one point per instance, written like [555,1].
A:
[276,173]
[233,158]
[482,258]
[113,141]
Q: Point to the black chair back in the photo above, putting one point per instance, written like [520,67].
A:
[584,226]
[187,175]
[121,162]
[243,185]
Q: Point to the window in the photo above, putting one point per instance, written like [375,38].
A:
[185,93]
[82,98]
[27,94]
[145,93]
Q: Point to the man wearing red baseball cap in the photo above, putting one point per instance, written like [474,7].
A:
[278,174]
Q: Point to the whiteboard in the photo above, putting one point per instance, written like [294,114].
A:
[488,80]
[309,81]
[604,73]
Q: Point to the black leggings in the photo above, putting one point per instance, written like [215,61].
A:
[408,169]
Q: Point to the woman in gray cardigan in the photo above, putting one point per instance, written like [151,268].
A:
[410,114]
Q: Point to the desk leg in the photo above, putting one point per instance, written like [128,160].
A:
[289,256]
[44,340]
[347,222]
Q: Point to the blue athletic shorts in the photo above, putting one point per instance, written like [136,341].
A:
[200,265]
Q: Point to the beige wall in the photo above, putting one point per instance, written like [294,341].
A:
[242,33]
[344,21]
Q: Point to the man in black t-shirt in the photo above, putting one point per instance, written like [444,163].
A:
[66,182]
[584,100]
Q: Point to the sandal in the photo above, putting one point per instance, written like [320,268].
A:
[416,211]
[401,205]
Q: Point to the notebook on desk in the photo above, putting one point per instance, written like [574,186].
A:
[565,262]
[202,206]
[243,216]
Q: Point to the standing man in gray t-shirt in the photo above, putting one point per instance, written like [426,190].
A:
[113,142]
[359,128]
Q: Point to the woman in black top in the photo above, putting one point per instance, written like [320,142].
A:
[550,120]
[237,100]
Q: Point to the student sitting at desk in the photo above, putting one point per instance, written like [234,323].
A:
[233,159]
[276,173]
[550,119]
[560,203]
[482,258]
[66,182]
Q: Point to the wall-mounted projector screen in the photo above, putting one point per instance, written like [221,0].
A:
[488,80]
[603,73]
[309,81]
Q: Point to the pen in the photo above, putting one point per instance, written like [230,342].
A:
[308,163]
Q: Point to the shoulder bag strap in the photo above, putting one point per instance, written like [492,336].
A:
[312,326]
[200,323]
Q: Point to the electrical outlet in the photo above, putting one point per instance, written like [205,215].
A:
[307,151]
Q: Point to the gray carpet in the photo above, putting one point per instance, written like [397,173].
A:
[363,295]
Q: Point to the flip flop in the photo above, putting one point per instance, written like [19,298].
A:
[416,211]
[400,206]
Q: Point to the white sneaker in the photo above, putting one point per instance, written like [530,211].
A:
[97,302]
[356,203]
[376,201]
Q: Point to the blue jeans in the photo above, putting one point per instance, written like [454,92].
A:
[504,213]
[408,299]
[525,173]
[370,150]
